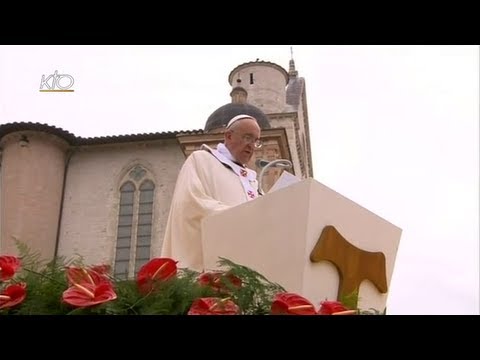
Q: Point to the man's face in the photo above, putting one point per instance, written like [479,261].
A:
[240,139]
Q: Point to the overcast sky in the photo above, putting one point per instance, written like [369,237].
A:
[393,128]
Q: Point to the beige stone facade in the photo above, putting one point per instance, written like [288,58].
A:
[61,194]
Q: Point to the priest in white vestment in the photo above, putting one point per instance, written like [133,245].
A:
[210,180]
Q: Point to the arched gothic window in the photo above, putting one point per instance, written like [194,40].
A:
[135,219]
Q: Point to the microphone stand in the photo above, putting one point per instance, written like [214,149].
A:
[275,163]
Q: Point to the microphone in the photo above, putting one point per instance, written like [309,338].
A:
[283,163]
[261,163]
[265,164]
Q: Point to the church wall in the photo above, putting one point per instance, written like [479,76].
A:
[90,214]
[306,121]
[302,138]
[289,124]
[33,165]
[304,134]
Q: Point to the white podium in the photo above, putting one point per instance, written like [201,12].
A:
[311,240]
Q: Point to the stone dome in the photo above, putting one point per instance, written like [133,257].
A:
[220,117]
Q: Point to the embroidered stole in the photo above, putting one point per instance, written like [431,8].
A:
[248,177]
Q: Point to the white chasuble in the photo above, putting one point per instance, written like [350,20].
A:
[208,182]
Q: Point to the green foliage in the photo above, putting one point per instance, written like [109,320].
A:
[46,283]
[171,297]
[372,312]
[350,300]
[256,294]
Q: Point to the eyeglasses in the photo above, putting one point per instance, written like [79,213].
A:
[249,139]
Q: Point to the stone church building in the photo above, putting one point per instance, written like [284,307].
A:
[107,198]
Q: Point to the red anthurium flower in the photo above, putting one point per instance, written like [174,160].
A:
[218,279]
[213,306]
[158,269]
[291,304]
[12,295]
[346,312]
[80,275]
[101,269]
[331,307]
[8,266]
[83,295]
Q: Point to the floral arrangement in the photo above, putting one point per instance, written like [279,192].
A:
[28,286]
